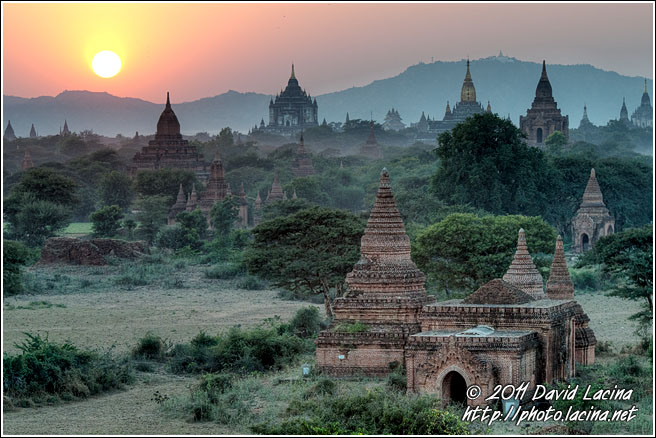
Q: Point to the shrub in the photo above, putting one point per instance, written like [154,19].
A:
[239,350]
[177,238]
[353,327]
[306,323]
[14,255]
[373,413]
[324,386]
[45,371]
[151,347]
[106,221]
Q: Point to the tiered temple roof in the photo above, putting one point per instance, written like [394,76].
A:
[643,116]
[559,286]
[522,272]
[592,219]
[168,150]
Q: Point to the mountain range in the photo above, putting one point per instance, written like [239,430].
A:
[508,83]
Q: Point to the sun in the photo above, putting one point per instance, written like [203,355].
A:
[106,64]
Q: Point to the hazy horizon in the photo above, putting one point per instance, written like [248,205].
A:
[204,50]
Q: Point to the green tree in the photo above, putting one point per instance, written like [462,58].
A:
[32,221]
[47,185]
[106,221]
[555,143]
[225,139]
[152,215]
[223,215]
[164,182]
[628,256]
[464,251]
[194,220]
[284,208]
[116,189]
[485,163]
[307,252]
[14,256]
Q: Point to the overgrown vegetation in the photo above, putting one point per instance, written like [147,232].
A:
[46,372]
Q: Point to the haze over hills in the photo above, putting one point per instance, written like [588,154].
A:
[509,84]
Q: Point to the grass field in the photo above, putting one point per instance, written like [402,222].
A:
[78,228]
[112,307]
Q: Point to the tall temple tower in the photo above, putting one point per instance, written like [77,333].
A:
[385,294]
[168,150]
[585,122]
[592,220]
[544,117]
[33,132]
[643,116]
[27,161]
[293,109]
[217,188]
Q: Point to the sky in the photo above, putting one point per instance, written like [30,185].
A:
[202,50]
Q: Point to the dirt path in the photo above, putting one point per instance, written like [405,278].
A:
[119,413]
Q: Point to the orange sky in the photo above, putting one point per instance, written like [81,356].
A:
[200,50]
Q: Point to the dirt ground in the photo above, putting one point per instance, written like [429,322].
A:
[110,316]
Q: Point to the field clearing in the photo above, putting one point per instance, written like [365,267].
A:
[110,316]
[78,228]
[101,315]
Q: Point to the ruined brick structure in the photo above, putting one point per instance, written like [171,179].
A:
[371,148]
[179,206]
[592,220]
[168,150]
[543,118]
[303,161]
[217,189]
[505,332]
[276,193]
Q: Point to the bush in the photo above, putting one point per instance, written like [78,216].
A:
[106,221]
[306,323]
[585,278]
[177,238]
[239,351]
[372,413]
[45,371]
[150,347]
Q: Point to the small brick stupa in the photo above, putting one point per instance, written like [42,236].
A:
[522,272]
[276,193]
[303,161]
[559,286]
[371,148]
[385,294]
[192,201]
[592,219]
[179,206]
[27,161]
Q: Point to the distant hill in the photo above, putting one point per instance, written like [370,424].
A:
[509,84]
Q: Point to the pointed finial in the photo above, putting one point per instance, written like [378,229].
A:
[293,74]
[645,85]
[168,101]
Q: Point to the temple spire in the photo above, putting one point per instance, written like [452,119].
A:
[293,76]
[168,101]
[522,272]
[559,286]
[543,89]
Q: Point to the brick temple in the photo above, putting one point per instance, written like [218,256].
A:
[371,148]
[506,332]
[302,165]
[168,150]
[592,219]
[544,117]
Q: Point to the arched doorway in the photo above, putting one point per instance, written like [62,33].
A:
[454,388]
[585,242]
[609,230]
[538,135]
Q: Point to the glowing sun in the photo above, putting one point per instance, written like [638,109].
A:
[106,64]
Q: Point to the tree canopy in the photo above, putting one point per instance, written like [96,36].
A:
[307,252]
[463,251]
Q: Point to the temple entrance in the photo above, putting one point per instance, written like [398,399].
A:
[609,230]
[454,388]
[539,135]
[585,242]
